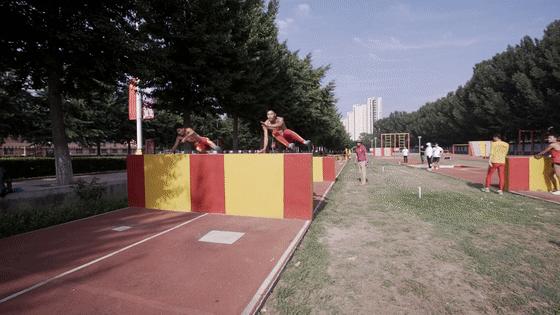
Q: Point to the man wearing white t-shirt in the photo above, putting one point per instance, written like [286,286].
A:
[429,154]
[405,154]
[438,151]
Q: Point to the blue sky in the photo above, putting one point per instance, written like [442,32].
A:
[408,52]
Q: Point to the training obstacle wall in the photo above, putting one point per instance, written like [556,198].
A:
[526,173]
[324,169]
[259,185]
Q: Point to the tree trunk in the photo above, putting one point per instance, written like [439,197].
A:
[98,145]
[235,134]
[187,119]
[63,162]
[129,149]
[187,122]
[53,63]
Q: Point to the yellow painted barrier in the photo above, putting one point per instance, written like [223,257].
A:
[167,182]
[538,174]
[317,169]
[254,185]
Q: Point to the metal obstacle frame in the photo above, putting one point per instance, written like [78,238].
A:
[530,137]
[394,141]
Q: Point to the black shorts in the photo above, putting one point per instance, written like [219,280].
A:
[435,159]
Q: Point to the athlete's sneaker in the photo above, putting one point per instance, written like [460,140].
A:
[218,149]
[291,146]
[485,189]
[557,193]
[500,192]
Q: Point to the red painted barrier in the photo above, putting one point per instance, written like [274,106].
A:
[298,186]
[135,180]
[207,183]
[329,173]
[517,174]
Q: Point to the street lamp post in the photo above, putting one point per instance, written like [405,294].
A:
[420,147]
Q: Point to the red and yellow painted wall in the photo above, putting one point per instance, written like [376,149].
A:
[526,173]
[324,169]
[259,185]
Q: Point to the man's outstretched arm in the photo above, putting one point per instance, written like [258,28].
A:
[177,141]
[265,144]
[543,152]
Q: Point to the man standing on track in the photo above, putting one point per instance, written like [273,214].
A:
[554,149]
[282,134]
[437,152]
[429,153]
[361,156]
[405,154]
[497,161]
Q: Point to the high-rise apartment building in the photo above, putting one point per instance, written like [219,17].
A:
[362,117]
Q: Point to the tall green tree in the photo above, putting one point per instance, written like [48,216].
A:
[66,48]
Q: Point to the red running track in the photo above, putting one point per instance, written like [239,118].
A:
[472,174]
[158,266]
[172,272]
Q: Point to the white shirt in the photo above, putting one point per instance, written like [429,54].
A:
[405,152]
[438,151]
[429,151]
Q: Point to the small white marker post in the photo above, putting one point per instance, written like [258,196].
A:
[419,192]
[383,169]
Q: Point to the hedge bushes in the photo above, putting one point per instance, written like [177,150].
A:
[38,167]
[25,220]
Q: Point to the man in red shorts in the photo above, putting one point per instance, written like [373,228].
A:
[279,131]
[554,149]
[202,144]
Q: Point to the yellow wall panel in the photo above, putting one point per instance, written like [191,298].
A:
[538,171]
[317,169]
[167,182]
[254,185]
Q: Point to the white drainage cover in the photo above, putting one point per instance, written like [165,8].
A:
[221,237]
[121,228]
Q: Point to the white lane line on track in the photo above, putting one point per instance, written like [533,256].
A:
[42,283]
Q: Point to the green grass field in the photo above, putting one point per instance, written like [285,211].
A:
[379,249]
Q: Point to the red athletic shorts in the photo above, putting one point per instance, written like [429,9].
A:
[202,145]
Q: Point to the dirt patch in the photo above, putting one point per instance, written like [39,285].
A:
[398,266]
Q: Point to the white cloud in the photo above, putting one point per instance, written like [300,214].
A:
[285,24]
[394,44]
[303,9]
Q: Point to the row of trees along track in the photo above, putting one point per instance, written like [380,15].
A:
[65,69]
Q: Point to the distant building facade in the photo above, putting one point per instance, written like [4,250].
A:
[362,117]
